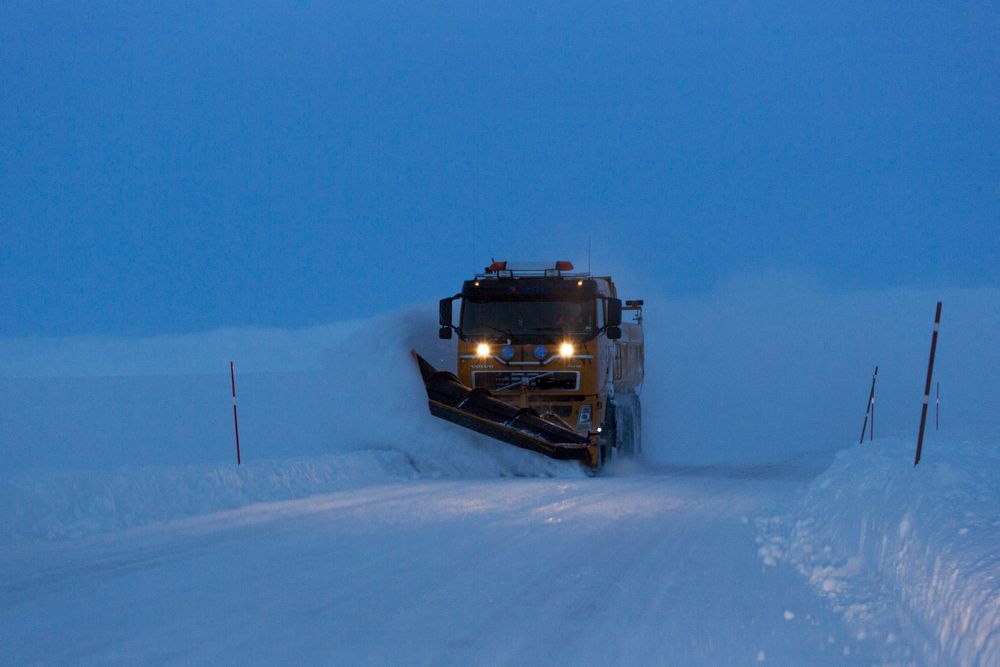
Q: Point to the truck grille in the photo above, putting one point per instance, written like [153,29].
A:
[533,380]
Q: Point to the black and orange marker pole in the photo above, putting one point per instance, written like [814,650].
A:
[927,384]
[870,409]
[236,422]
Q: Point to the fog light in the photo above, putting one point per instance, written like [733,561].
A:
[566,350]
[540,352]
[483,350]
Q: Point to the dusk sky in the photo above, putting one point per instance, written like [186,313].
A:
[174,167]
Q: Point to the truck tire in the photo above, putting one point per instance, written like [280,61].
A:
[608,440]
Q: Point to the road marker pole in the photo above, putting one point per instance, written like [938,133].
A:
[236,422]
[869,409]
[927,384]
[871,434]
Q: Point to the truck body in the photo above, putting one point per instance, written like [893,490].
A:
[545,362]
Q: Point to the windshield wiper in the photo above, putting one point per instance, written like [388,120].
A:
[505,332]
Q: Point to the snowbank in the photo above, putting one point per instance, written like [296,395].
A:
[874,533]
[85,454]
[74,503]
[71,503]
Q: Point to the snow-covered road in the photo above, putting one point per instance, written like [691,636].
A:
[633,569]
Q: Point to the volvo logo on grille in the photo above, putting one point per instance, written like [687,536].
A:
[514,380]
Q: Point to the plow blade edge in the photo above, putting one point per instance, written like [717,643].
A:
[478,410]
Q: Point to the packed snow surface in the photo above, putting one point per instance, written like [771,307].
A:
[621,570]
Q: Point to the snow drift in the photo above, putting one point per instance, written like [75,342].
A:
[86,454]
[875,533]
[769,367]
[763,371]
[73,503]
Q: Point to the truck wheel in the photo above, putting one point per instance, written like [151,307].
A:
[608,439]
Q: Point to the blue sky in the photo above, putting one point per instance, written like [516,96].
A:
[183,167]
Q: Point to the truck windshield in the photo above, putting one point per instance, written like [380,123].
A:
[528,320]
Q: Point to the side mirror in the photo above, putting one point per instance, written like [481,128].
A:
[614,313]
[613,333]
[444,317]
[444,312]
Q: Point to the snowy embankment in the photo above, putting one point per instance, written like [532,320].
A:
[145,431]
[873,533]
[74,503]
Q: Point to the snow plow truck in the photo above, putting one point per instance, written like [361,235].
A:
[544,362]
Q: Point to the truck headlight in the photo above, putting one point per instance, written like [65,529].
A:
[566,350]
[483,350]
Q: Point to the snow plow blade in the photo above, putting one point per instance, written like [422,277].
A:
[478,410]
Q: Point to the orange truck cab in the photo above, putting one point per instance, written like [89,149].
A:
[545,362]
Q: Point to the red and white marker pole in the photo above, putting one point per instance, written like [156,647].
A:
[236,422]
[927,384]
